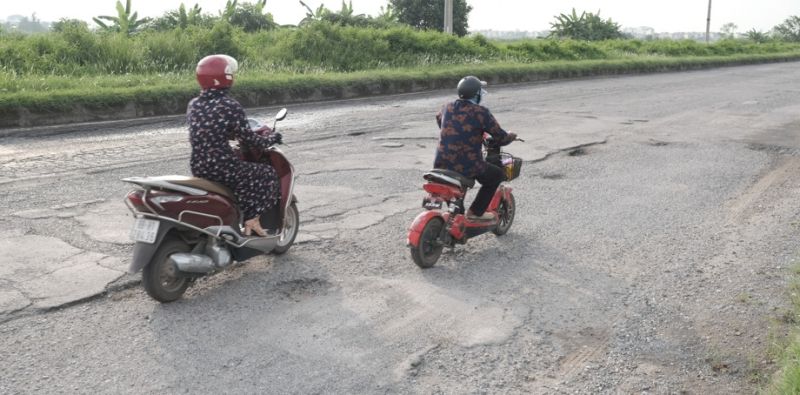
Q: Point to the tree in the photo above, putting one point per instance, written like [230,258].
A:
[181,19]
[789,30]
[757,36]
[249,16]
[65,24]
[23,24]
[429,14]
[729,30]
[587,26]
[125,22]
[387,14]
[345,17]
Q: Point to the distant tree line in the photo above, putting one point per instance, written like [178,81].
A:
[420,14]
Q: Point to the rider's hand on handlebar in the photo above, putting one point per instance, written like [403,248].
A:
[263,130]
[277,138]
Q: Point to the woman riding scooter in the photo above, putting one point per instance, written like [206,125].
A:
[463,123]
[215,118]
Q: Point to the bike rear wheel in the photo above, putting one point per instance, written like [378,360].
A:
[430,246]
[160,278]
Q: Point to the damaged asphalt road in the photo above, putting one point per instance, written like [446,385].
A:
[653,241]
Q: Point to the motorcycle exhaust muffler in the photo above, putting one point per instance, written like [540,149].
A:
[216,257]
[192,263]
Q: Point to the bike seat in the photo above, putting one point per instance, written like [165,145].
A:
[202,183]
[449,177]
[192,185]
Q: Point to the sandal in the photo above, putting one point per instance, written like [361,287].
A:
[254,225]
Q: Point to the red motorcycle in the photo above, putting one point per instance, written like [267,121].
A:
[188,227]
[444,223]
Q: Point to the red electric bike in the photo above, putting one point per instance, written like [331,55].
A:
[188,227]
[444,223]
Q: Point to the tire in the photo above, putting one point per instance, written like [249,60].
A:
[505,212]
[159,276]
[290,229]
[430,247]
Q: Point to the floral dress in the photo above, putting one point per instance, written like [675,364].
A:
[215,118]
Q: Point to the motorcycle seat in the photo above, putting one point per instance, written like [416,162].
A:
[450,177]
[201,183]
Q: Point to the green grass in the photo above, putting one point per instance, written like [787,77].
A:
[167,93]
[787,349]
[87,72]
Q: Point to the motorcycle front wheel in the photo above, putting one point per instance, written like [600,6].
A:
[290,229]
[505,214]
[160,277]
[429,248]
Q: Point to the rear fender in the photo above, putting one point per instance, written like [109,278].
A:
[143,252]
[418,225]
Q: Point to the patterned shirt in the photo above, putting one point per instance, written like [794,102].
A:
[463,124]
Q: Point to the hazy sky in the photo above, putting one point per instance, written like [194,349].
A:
[662,15]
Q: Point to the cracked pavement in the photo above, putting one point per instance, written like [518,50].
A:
[655,231]
[31,164]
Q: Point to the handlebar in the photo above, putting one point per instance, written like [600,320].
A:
[489,141]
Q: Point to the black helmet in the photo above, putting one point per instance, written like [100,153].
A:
[470,87]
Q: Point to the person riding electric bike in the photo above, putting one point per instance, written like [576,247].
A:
[215,118]
[463,123]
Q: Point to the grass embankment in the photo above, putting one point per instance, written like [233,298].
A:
[787,349]
[80,75]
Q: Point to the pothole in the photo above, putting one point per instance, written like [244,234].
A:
[301,288]
[657,143]
[553,176]
[777,149]
[577,152]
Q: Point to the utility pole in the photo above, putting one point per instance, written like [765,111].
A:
[708,21]
[448,16]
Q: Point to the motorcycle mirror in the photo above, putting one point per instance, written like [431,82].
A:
[281,114]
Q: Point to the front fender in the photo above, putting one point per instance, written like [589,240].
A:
[507,189]
[418,225]
[143,252]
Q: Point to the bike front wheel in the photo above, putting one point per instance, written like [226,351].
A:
[505,215]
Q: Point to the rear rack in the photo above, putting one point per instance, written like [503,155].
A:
[239,242]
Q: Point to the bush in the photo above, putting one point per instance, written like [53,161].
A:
[317,47]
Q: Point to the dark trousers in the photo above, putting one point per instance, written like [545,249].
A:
[490,180]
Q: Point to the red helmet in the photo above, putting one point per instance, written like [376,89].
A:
[216,71]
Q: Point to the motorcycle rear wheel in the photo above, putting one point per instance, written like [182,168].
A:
[290,229]
[505,214]
[429,248]
[160,277]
